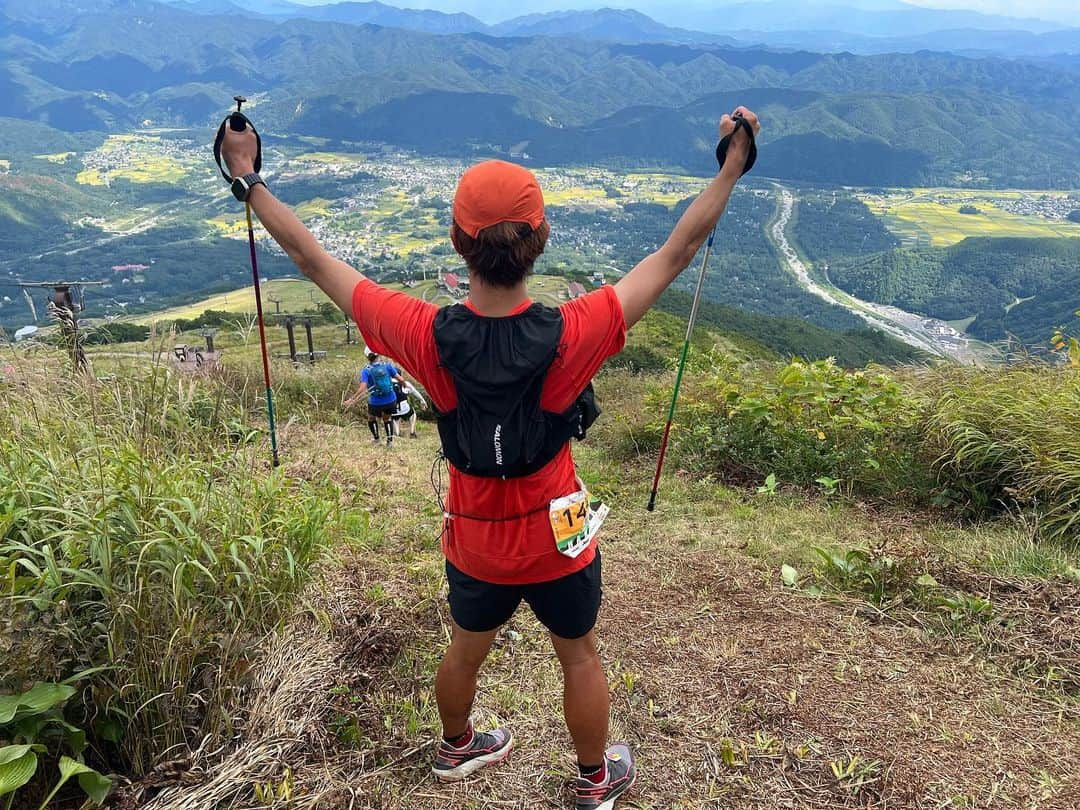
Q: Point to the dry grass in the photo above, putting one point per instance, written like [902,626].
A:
[735,691]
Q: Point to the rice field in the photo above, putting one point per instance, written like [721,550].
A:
[662,189]
[56,157]
[228,224]
[138,158]
[331,158]
[932,216]
[590,188]
[317,207]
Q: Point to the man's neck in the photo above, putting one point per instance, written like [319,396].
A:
[496,302]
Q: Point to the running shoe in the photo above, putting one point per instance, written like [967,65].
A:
[620,777]
[487,748]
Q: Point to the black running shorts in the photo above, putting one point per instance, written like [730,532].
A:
[567,607]
[375,411]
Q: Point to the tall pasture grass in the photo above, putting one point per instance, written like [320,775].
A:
[1008,436]
[304,393]
[145,542]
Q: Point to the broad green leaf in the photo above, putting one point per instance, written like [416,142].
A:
[926,581]
[10,753]
[70,767]
[17,772]
[95,785]
[788,575]
[40,698]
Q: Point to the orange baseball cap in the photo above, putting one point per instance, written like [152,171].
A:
[496,191]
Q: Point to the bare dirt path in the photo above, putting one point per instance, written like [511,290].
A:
[735,691]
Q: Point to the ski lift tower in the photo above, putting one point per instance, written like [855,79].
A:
[64,304]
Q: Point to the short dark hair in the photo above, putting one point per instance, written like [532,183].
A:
[503,254]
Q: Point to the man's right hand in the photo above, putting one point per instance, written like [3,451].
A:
[238,150]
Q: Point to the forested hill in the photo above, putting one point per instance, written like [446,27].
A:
[1022,287]
[794,337]
[837,118]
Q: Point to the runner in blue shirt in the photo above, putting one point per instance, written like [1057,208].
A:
[377,383]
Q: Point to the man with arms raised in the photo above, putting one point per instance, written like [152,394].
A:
[510,380]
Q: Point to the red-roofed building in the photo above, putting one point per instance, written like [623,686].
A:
[575,290]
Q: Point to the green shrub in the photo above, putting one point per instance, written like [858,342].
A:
[802,422]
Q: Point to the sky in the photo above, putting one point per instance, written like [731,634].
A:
[1062,11]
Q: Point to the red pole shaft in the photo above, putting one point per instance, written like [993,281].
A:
[262,337]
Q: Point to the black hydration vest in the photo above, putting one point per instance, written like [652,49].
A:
[499,366]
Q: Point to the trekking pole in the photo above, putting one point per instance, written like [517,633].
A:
[682,368]
[262,339]
[238,122]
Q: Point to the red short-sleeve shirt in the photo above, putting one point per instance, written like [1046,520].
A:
[522,549]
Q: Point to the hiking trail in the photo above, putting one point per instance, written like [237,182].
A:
[735,691]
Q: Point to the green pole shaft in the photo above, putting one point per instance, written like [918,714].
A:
[682,369]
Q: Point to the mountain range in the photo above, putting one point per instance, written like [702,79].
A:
[831,118]
[873,27]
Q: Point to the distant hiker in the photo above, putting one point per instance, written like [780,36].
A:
[405,410]
[377,384]
[510,381]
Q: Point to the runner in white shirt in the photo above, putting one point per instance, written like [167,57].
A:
[405,409]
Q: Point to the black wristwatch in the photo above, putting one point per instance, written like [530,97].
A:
[242,186]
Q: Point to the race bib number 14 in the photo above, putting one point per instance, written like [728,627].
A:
[575,520]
